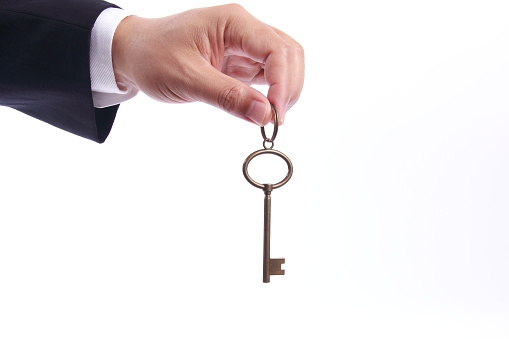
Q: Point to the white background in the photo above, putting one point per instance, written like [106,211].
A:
[394,225]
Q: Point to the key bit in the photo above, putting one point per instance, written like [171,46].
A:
[275,266]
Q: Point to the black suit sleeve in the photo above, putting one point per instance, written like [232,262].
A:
[44,63]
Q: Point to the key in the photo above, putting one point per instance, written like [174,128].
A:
[271,266]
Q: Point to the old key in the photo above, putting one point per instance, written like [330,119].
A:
[270,266]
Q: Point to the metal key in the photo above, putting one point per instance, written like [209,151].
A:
[270,266]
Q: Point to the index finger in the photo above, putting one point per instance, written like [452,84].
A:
[281,56]
[285,74]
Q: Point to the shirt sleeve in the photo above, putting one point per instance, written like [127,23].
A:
[105,91]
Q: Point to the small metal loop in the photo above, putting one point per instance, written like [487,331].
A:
[274,133]
[267,151]
[271,144]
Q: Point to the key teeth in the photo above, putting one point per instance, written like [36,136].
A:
[275,266]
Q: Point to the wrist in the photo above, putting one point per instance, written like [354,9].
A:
[123,40]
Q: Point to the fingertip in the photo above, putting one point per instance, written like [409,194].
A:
[281,119]
[280,115]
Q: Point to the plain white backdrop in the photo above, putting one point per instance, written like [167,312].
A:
[395,224]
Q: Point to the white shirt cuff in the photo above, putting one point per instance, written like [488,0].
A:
[105,91]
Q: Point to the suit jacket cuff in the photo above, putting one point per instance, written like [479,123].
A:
[45,64]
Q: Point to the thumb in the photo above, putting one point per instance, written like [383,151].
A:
[232,96]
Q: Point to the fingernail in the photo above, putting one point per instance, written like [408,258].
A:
[257,112]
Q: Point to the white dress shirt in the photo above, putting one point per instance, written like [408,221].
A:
[105,91]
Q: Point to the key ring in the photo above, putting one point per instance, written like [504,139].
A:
[268,150]
[274,132]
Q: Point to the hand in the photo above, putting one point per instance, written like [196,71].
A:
[211,55]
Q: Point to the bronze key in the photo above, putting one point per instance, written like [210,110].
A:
[270,266]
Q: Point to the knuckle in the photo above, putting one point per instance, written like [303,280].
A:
[229,97]
[235,7]
[293,49]
[299,49]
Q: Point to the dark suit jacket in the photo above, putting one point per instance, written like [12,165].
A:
[44,63]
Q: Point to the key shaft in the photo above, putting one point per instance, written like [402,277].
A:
[266,232]
[270,266]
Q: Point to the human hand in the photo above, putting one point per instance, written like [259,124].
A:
[211,55]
